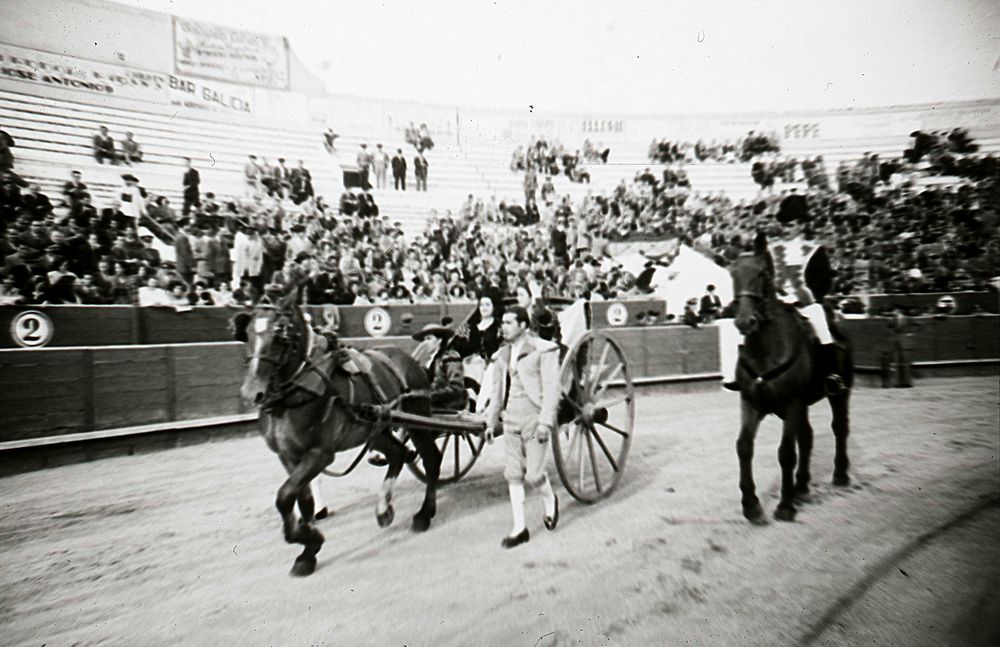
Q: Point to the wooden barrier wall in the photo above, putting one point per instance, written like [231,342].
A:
[54,391]
[60,391]
[123,325]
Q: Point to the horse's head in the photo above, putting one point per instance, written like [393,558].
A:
[276,338]
[753,285]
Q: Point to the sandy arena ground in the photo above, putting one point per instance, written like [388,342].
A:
[183,547]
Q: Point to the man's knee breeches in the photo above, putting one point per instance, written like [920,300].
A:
[525,457]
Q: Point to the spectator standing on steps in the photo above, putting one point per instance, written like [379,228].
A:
[192,190]
[399,170]
[420,170]
[381,164]
[364,166]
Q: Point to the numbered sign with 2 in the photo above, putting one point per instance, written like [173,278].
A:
[377,322]
[31,329]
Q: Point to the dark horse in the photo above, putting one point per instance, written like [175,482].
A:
[312,400]
[777,373]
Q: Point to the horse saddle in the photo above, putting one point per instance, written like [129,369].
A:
[315,378]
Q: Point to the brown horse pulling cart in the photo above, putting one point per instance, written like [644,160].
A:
[317,401]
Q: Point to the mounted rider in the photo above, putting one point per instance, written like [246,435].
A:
[803,276]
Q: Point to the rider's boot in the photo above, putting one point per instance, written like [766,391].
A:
[833,382]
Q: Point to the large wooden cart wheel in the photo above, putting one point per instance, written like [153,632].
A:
[598,409]
[459,452]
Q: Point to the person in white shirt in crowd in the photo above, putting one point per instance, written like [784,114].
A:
[248,257]
[133,202]
[152,294]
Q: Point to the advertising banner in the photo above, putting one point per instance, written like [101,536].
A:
[227,54]
[180,92]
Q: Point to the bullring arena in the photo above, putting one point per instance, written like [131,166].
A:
[140,497]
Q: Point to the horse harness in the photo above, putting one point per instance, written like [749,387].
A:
[303,380]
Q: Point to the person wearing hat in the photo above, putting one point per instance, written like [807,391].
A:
[148,253]
[132,198]
[526,389]
[443,365]
[445,371]
[691,317]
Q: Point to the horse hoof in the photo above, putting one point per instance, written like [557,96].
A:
[421,524]
[784,513]
[841,480]
[303,566]
[385,519]
[755,514]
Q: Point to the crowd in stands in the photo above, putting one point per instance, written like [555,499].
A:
[554,159]
[753,145]
[885,238]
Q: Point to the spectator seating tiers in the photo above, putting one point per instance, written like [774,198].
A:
[55,136]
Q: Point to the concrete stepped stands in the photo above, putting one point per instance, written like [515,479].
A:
[53,136]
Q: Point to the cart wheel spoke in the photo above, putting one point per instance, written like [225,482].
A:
[593,461]
[468,441]
[606,381]
[614,402]
[596,373]
[620,432]
[458,462]
[604,448]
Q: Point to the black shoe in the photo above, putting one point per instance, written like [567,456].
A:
[731,386]
[518,539]
[322,514]
[378,460]
[551,522]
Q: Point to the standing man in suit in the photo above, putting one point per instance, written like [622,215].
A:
[399,170]
[526,387]
[420,170]
[184,255]
[192,184]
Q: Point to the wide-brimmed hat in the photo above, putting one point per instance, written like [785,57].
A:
[441,332]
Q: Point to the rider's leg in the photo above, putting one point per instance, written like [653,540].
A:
[827,357]
[729,350]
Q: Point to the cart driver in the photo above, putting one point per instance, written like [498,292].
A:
[446,373]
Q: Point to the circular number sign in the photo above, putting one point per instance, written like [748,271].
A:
[617,314]
[31,329]
[946,304]
[377,322]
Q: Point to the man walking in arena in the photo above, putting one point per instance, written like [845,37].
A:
[526,387]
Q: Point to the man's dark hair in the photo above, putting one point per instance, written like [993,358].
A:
[520,314]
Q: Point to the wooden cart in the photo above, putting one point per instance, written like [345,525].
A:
[597,421]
